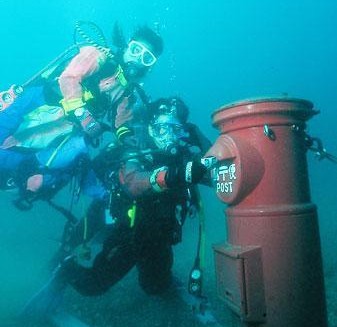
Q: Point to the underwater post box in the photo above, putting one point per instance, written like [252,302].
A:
[269,270]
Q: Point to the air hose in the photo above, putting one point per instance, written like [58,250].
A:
[196,273]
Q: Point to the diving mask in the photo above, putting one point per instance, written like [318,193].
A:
[166,130]
[140,52]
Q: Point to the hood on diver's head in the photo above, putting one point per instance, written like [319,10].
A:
[141,52]
[146,35]
[167,118]
[173,106]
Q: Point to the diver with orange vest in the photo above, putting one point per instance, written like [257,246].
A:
[50,123]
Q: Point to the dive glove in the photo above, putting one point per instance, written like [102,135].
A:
[177,175]
[190,173]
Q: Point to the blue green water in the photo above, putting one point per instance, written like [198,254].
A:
[216,52]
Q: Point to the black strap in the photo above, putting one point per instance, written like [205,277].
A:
[65,212]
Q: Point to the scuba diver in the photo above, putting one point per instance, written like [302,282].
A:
[46,131]
[151,189]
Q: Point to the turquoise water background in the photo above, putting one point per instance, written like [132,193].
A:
[216,52]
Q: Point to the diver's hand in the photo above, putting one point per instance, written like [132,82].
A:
[181,175]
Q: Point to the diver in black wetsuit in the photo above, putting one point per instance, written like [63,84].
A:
[151,191]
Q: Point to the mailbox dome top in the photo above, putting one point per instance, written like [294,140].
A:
[265,99]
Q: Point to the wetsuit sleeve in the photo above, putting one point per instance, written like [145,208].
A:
[87,62]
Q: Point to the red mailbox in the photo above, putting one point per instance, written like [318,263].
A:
[269,271]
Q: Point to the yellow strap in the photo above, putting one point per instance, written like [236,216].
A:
[84,251]
[87,95]
[132,214]
[121,131]
[53,155]
[71,104]
[121,77]
[75,103]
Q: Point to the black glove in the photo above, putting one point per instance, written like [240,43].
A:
[182,175]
